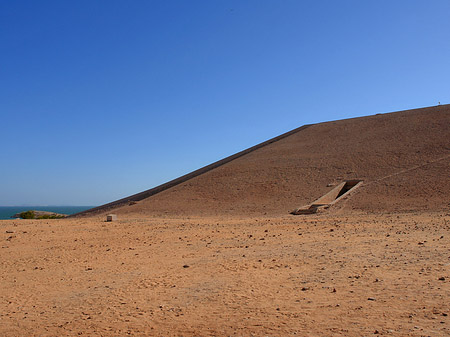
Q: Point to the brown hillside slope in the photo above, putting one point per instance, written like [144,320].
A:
[402,157]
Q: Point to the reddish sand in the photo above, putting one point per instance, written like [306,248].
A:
[317,275]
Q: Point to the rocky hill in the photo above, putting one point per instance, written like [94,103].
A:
[402,158]
[32,214]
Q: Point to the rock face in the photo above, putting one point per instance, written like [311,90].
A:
[32,214]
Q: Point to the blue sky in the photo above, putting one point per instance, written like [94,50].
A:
[102,99]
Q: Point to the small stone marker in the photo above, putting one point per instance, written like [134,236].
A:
[111,217]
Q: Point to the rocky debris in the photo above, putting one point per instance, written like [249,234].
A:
[32,214]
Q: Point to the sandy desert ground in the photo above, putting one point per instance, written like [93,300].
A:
[318,275]
[219,255]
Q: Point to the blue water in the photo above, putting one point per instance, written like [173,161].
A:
[6,212]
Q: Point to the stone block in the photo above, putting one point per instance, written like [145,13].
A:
[111,217]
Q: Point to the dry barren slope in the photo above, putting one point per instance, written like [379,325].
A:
[402,157]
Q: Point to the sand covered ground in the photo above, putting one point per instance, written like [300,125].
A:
[319,275]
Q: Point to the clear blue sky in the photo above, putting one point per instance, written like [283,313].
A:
[102,99]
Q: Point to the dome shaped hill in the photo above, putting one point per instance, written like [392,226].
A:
[401,159]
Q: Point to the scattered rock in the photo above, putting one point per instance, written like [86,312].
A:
[32,214]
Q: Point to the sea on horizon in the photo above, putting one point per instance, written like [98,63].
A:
[6,212]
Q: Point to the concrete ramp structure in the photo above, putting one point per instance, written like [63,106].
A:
[338,193]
